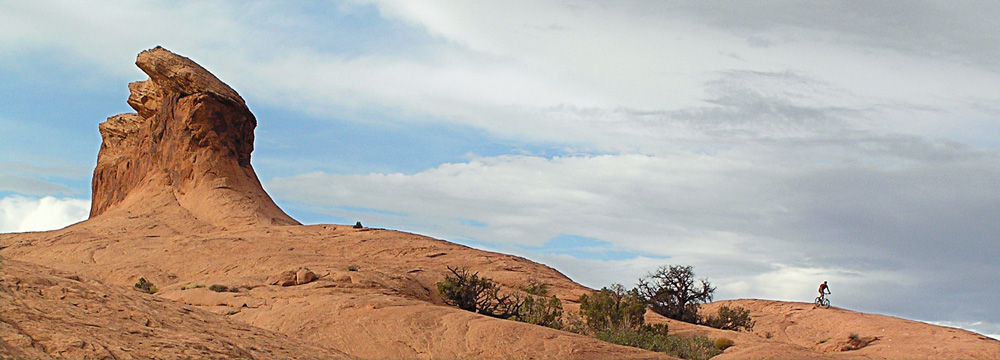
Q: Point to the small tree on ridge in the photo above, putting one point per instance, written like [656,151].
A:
[672,292]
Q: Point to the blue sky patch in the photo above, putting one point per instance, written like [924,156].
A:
[582,247]
[472,223]
[299,143]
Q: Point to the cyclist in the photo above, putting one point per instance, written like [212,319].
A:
[822,288]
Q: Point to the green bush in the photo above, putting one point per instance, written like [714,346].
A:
[218,288]
[575,324]
[358,225]
[694,348]
[352,268]
[538,309]
[614,308]
[470,292]
[146,286]
[736,319]
[655,328]
[723,343]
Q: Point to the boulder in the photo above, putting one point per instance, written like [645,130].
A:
[286,278]
[304,276]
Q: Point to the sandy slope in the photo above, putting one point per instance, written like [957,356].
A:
[52,314]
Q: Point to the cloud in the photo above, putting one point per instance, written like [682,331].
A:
[675,59]
[599,77]
[30,185]
[21,214]
[923,28]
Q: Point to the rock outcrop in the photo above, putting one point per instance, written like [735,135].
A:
[190,139]
[291,278]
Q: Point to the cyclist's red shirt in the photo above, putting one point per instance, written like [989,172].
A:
[822,287]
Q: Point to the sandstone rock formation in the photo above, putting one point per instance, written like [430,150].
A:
[176,202]
[289,278]
[189,141]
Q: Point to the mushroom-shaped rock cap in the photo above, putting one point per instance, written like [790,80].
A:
[181,75]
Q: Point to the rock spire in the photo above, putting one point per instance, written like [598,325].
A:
[189,141]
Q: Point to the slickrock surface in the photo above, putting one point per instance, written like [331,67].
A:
[51,314]
[793,330]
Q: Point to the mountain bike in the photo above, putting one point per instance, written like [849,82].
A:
[823,302]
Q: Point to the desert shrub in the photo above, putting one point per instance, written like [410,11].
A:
[723,343]
[672,292]
[470,292]
[613,308]
[218,288]
[536,288]
[540,309]
[352,268]
[575,324]
[655,328]
[145,286]
[855,342]
[358,225]
[735,318]
[694,348]
[193,286]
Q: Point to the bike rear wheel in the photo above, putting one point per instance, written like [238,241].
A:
[821,302]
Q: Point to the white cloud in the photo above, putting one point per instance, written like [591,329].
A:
[528,200]
[21,214]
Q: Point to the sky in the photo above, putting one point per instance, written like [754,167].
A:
[771,145]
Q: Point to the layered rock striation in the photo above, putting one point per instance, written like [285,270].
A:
[189,140]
